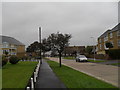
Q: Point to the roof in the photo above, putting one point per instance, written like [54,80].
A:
[117,27]
[10,40]
[105,33]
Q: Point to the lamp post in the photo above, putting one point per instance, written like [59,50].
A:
[93,47]
[40,44]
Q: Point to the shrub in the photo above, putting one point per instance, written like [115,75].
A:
[4,60]
[14,60]
[109,45]
[113,53]
[25,58]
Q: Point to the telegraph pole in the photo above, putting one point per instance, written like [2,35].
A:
[93,48]
[40,44]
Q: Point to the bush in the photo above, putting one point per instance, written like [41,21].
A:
[25,58]
[14,60]
[113,53]
[4,60]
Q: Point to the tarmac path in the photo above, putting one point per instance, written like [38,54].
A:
[47,78]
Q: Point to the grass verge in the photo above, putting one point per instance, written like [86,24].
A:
[97,61]
[69,58]
[17,76]
[75,79]
[116,64]
[73,58]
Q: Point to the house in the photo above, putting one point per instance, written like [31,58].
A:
[112,36]
[74,49]
[11,46]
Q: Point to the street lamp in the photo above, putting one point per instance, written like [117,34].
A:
[93,47]
[40,44]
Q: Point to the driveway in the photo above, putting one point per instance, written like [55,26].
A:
[107,73]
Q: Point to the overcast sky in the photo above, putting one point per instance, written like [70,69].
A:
[80,19]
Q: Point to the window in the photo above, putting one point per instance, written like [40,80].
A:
[12,46]
[112,43]
[105,38]
[100,46]
[5,45]
[118,42]
[13,53]
[4,51]
[99,40]
[111,35]
[97,48]
[118,33]
[105,46]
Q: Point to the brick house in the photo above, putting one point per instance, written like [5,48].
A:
[12,46]
[112,36]
[71,49]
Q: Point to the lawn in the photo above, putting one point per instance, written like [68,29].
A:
[17,76]
[0,79]
[69,58]
[116,64]
[75,79]
[96,60]
[73,58]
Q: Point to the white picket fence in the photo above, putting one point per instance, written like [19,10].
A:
[34,79]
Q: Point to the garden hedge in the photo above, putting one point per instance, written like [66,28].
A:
[113,53]
[4,60]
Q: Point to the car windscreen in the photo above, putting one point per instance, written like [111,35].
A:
[82,56]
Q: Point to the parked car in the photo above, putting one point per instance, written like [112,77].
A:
[81,58]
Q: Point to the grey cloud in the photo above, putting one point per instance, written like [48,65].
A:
[82,20]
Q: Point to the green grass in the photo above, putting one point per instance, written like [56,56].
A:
[97,61]
[68,57]
[0,79]
[17,76]
[73,58]
[116,64]
[75,79]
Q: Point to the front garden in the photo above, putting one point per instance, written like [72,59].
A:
[17,75]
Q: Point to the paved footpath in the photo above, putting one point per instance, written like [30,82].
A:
[47,79]
[107,73]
